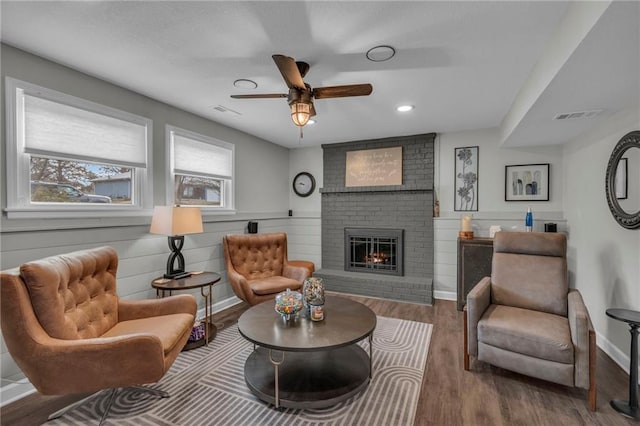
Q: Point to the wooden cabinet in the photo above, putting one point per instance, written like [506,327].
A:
[474,263]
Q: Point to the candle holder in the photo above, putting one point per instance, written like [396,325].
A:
[466,231]
[465,235]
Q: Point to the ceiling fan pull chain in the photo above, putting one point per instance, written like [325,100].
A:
[301,136]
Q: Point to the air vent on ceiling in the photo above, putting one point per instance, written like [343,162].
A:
[222,108]
[578,114]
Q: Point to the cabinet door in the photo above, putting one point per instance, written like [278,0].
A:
[474,263]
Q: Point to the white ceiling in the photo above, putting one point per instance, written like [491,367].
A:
[462,64]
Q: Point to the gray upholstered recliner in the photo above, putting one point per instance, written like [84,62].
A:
[524,318]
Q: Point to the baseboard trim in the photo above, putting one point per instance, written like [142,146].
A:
[445,295]
[614,353]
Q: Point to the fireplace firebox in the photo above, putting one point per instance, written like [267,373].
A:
[373,250]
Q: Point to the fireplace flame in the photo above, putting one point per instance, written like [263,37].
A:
[376,257]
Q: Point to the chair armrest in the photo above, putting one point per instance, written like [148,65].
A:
[580,327]
[239,283]
[478,300]
[136,309]
[298,273]
[59,367]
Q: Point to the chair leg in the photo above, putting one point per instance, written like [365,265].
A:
[112,396]
[592,371]
[114,391]
[465,344]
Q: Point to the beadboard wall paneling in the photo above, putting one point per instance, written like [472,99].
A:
[143,256]
[446,238]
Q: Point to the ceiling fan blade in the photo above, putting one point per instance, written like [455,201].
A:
[313,111]
[289,70]
[342,91]
[260,96]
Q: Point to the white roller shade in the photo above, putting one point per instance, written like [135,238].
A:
[192,156]
[52,128]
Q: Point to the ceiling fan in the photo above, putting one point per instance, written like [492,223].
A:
[301,95]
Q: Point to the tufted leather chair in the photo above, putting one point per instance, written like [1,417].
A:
[525,318]
[258,268]
[69,332]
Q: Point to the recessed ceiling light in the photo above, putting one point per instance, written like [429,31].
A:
[404,108]
[381,53]
[243,83]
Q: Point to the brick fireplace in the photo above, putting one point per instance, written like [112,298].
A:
[397,262]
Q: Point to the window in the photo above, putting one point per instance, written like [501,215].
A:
[201,170]
[70,157]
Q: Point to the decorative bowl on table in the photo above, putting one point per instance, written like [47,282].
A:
[288,303]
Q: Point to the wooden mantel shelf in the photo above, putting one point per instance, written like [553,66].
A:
[389,188]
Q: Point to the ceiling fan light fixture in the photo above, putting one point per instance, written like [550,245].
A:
[381,53]
[300,113]
[311,121]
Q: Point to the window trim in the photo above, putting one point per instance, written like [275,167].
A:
[18,167]
[228,191]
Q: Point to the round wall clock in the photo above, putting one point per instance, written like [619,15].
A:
[304,184]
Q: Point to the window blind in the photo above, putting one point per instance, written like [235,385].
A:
[56,129]
[192,156]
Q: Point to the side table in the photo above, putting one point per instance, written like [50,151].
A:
[202,280]
[629,408]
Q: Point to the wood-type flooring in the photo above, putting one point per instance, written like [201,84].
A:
[486,395]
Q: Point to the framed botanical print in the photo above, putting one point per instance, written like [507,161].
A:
[466,179]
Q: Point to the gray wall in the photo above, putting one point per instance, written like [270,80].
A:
[261,193]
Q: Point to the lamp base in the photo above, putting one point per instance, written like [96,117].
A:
[177,275]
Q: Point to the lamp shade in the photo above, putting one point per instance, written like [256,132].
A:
[175,220]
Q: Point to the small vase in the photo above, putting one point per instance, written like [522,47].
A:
[312,293]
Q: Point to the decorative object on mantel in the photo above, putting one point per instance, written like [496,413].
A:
[466,179]
[374,167]
[526,182]
[466,230]
[625,211]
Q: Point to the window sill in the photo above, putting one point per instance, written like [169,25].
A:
[63,213]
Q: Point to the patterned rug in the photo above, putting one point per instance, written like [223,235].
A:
[207,388]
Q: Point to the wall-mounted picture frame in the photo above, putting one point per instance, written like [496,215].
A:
[621,183]
[526,182]
[466,179]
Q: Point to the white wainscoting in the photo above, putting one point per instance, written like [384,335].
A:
[142,257]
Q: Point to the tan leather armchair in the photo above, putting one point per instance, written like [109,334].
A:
[258,268]
[524,318]
[69,332]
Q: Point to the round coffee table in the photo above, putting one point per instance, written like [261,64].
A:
[306,364]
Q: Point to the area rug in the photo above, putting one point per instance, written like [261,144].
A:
[207,388]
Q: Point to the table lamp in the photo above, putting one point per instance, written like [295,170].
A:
[176,222]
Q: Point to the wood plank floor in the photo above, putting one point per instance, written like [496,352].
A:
[450,396]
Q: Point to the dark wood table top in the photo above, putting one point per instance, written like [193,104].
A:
[194,281]
[626,315]
[345,322]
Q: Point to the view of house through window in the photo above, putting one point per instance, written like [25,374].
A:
[195,190]
[66,181]
[201,170]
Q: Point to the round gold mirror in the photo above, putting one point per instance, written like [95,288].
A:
[623,181]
